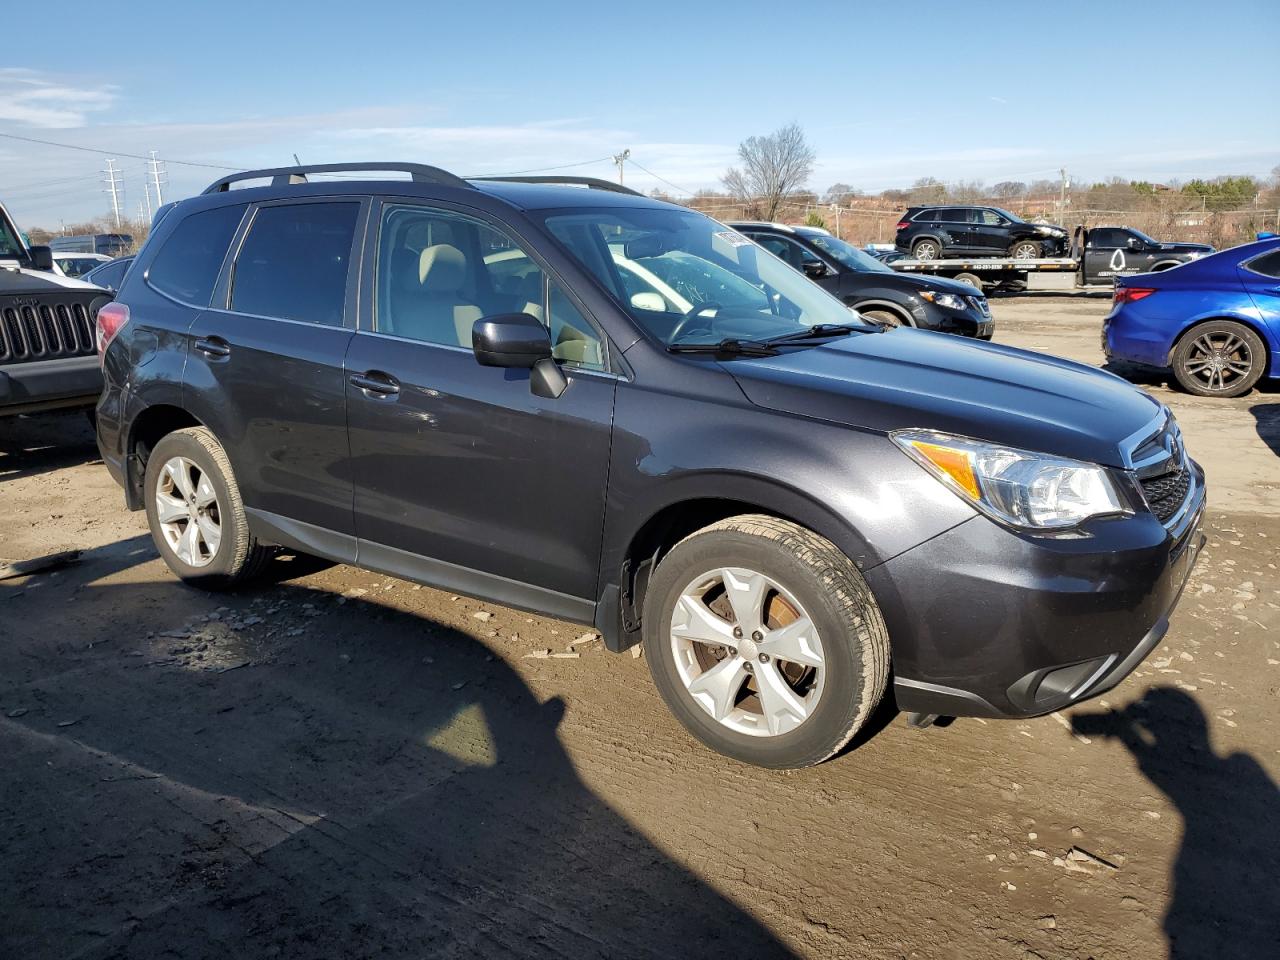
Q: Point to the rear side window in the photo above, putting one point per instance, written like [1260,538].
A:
[187,266]
[293,262]
[1268,264]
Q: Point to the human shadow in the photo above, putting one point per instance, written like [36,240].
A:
[1224,886]
[38,444]
[376,785]
[1267,416]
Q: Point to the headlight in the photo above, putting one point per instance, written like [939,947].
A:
[1050,232]
[1016,487]
[949,300]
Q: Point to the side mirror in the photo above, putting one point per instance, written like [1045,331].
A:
[510,340]
[815,269]
[521,341]
[41,258]
[1133,243]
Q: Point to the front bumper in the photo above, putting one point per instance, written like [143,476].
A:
[986,622]
[38,385]
[972,322]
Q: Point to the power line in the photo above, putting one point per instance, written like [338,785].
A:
[663,179]
[117,153]
[563,166]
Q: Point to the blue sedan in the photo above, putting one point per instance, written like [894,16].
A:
[1214,321]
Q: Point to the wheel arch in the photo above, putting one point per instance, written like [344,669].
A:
[878,304]
[632,559]
[148,427]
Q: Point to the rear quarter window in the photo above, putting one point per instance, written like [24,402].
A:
[1268,264]
[187,266]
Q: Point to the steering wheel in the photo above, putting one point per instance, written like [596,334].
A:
[694,313]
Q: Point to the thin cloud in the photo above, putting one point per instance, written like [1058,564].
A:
[33,99]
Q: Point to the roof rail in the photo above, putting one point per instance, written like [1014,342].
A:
[594,183]
[282,176]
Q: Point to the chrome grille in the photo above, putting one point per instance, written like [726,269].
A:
[44,331]
[980,304]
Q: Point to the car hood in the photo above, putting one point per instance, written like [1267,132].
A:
[912,283]
[916,378]
[16,279]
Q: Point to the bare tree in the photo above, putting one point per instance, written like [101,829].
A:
[773,168]
[1009,189]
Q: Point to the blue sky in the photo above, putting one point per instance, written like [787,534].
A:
[886,92]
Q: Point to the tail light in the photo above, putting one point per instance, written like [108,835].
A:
[1131,294]
[111,320]
[903,224]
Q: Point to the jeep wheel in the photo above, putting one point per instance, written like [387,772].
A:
[765,641]
[1025,250]
[1220,358]
[926,250]
[196,516]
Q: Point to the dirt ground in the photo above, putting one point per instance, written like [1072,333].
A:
[338,764]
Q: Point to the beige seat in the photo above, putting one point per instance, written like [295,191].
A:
[437,310]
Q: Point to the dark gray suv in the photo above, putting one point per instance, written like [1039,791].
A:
[498,388]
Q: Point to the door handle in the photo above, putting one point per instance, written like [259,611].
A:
[375,382]
[213,347]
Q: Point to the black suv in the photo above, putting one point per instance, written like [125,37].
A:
[47,357]
[928,233]
[488,386]
[871,287]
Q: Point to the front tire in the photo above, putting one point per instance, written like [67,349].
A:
[195,512]
[884,317]
[1220,358]
[765,641]
[1025,250]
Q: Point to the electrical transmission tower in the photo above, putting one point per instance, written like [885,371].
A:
[113,187]
[155,167]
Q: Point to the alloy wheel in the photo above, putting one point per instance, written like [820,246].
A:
[1219,360]
[1025,251]
[927,250]
[188,512]
[747,652]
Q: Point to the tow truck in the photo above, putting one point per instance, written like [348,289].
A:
[1097,255]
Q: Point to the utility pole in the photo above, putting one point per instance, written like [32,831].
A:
[156,168]
[1062,194]
[146,190]
[620,159]
[113,182]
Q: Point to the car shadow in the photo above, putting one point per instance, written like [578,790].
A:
[1223,901]
[338,778]
[43,442]
[1267,416]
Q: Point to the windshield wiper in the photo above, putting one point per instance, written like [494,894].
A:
[818,332]
[728,347]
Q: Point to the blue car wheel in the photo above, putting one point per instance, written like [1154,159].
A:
[1220,358]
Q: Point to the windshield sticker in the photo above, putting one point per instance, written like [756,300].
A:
[734,238]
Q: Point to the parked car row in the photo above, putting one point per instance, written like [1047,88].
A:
[636,417]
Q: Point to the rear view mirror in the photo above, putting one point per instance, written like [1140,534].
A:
[41,258]
[510,340]
[652,245]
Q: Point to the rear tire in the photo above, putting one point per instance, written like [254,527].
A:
[972,279]
[196,514]
[926,249]
[1220,358]
[822,680]
[1025,250]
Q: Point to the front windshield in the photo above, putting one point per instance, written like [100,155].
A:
[687,279]
[1133,231]
[847,253]
[1012,217]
